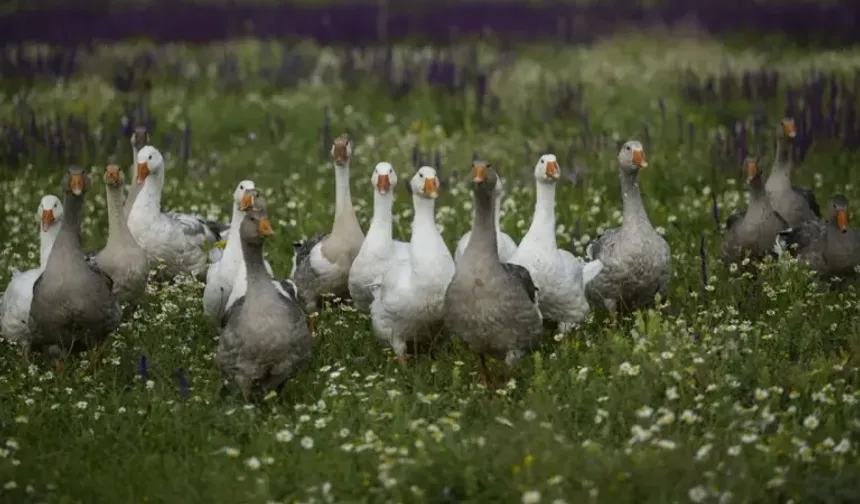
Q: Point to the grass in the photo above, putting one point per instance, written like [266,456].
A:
[717,397]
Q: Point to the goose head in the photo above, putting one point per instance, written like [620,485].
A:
[113,175]
[787,130]
[149,161]
[752,168]
[341,150]
[631,157]
[76,181]
[384,179]
[255,227]
[50,212]
[485,180]
[244,195]
[839,212]
[425,183]
[547,170]
[140,137]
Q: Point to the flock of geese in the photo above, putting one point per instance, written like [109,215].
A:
[495,294]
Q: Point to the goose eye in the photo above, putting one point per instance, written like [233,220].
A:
[55,205]
[150,157]
[627,147]
[541,161]
[241,188]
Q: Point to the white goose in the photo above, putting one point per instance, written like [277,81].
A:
[180,240]
[221,274]
[559,276]
[506,246]
[408,299]
[15,302]
[239,284]
[378,248]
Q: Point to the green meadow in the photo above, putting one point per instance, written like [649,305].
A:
[723,393]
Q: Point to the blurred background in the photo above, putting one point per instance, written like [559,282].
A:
[72,22]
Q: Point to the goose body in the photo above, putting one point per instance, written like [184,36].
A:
[16,300]
[636,259]
[560,277]
[830,248]
[179,240]
[409,296]
[321,263]
[221,274]
[751,232]
[123,260]
[378,248]
[506,246]
[794,203]
[492,306]
[73,300]
[265,338]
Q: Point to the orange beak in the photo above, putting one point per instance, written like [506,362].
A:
[76,184]
[247,201]
[788,129]
[842,220]
[431,188]
[264,227]
[479,173]
[383,184]
[552,170]
[112,174]
[47,219]
[752,170]
[142,172]
[639,159]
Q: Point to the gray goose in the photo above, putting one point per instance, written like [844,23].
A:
[73,300]
[492,306]
[122,258]
[796,204]
[637,261]
[265,339]
[831,248]
[752,231]
[321,263]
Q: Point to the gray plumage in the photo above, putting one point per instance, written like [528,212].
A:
[122,258]
[302,249]
[73,301]
[796,204]
[326,270]
[830,248]
[752,232]
[491,306]
[265,339]
[637,261]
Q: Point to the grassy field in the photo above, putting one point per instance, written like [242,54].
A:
[716,397]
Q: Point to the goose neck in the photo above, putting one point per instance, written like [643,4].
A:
[46,242]
[633,208]
[149,197]
[117,226]
[343,198]
[484,240]
[783,156]
[382,221]
[424,218]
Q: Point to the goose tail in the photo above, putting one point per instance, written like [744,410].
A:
[784,240]
[591,270]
